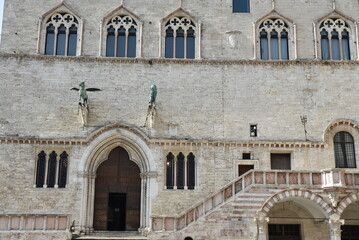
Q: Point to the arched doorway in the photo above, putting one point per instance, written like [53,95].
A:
[117,193]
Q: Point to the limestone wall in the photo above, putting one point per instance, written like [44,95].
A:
[216,20]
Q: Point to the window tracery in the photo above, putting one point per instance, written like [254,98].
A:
[51,171]
[121,36]
[180,35]
[180,171]
[273,35]
[334,39]
[61,35]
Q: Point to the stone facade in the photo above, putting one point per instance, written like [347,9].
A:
[204,106]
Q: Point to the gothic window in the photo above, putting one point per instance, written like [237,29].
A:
[190,171]
[180,171]
[180,38]
[52,171]
[170,171]
[334,39]
[344,150]
[241,6]
[121,37]
[273,36]
[61,35]
[63,170]
[41,167]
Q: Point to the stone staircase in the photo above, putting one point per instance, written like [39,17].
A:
[112,235]
[242,195]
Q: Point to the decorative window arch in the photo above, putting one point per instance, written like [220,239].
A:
[334,39]
[344,150]
[180,171]
[273,33]
[60,32]
[51,171]
[121,34]
[180,36]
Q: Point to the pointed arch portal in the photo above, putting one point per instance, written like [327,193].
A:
[119,178]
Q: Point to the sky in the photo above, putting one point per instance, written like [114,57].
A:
[1,12]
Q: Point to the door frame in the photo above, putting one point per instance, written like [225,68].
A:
[97,152]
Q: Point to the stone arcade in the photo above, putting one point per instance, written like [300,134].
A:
[254,134]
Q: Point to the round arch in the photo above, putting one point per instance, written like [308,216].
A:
[98,150]
[354,197]
[314,203]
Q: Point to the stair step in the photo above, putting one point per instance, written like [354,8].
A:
[105,235]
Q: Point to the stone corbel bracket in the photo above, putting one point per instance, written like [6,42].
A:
[84,113]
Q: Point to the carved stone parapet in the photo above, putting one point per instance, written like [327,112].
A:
[149,175]
[86,174]
[333,178]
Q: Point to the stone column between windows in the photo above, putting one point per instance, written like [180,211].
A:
[335,224]
[175,173]
[126,42]
[55,40]
[340,46]
[185,173]
[330,46]
[57,172]
[46,171]
[116,40]
[67,40]
[174,46]
[261,220]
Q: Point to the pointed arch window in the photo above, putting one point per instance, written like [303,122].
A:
[180,38]
[344,150]
[334,39]
[170,171]
[41,168]
[61,35]
[273,39]
[180,171]
[121,37]
[51,171]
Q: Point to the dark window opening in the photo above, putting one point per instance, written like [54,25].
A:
[180,171]
[253,130]
[344,150]
[40,172]
[121,42]
[350,232]
[241,6]
[284,231]
[169,43]
[246,156]
[191,171]
[50,40]
[170,171]
[110,42]
[61,40]
[131,45]
[280,161]
[51,172]
[63,170]
[180,43]
[242,169]
[71,50]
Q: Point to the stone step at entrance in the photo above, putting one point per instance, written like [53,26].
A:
[104,235]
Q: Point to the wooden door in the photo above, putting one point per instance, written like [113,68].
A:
[117,193]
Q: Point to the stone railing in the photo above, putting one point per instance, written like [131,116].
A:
[280,178]
[34,222]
